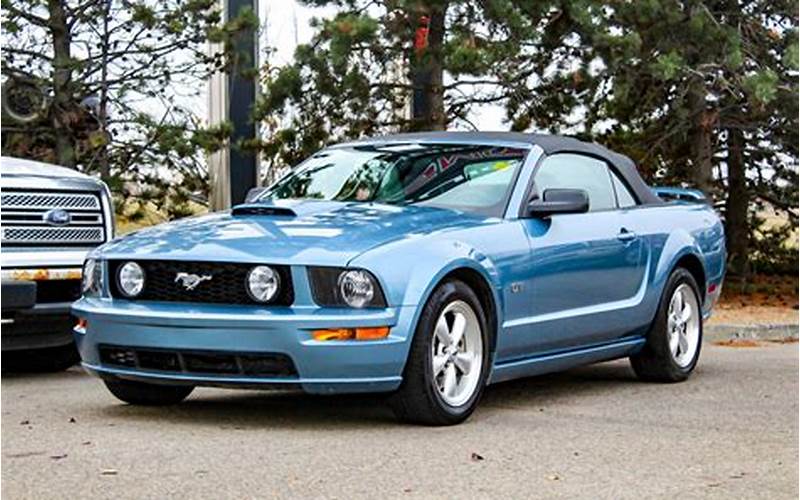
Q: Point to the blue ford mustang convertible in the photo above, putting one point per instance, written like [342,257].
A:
[423,265]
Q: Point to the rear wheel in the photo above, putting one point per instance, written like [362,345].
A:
[139,393]
[448,364]
[673,343]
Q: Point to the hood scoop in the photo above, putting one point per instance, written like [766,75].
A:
[260,209]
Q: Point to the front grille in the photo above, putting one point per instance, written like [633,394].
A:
[49,200]
[52,235]
[24,218]
[226,286]
[199,362]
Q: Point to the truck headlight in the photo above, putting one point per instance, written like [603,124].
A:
[92,278]
[262,283]
[130,279]
[337,287]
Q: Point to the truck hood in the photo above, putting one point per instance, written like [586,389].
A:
[290,232]
[29,168]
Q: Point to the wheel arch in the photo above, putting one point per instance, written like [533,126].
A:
[479,284]
[694,265]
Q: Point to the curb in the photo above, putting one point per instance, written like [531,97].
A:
[754,332]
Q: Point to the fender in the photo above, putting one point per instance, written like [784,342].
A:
[410,281]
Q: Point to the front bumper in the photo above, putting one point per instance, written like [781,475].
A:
[321,366]
[28,325]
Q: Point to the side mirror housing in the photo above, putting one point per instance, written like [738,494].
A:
[253,194]
[559,201]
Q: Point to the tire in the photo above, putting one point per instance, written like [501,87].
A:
[139,393]
[659,360]
[421,398]
[46,360]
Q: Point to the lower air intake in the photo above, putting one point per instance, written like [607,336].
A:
[199,362]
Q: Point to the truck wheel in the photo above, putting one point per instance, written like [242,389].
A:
[448,363]
[139,393]
[673,343]
[49,359]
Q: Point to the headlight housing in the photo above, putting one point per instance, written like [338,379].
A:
[130,279]
[263,284]
[337,287]
[92,278]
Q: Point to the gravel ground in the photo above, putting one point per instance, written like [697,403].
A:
[729,432]
[737,314]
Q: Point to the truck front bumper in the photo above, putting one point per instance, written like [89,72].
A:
[241,346]
[28,325]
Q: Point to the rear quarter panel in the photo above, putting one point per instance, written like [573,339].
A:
[673,231]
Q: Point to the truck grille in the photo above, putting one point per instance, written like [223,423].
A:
[25,223]
[226,286]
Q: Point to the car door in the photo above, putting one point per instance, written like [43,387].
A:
[586,268]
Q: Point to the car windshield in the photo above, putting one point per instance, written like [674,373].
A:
[470,178]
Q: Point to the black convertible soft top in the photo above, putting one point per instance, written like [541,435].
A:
[551,144]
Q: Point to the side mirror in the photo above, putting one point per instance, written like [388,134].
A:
[253,194]
[559,201]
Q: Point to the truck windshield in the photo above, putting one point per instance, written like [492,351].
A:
[469,178]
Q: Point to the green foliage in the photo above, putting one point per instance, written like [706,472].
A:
[762,87]
[145,62]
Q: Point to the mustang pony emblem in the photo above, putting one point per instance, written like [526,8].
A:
[190,281]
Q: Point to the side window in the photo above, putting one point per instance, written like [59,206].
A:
[571,171]
[624,197]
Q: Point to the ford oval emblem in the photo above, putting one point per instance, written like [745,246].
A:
[57,217]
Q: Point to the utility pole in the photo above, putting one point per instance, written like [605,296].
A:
[232,171]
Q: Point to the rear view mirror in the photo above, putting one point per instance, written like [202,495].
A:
[559,201]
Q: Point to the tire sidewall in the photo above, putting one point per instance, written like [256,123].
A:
[659,338]
[444,295]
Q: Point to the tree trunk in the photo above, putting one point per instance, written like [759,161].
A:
[737,205]
[62,83]
[105,170]
[703,122]
[428,72]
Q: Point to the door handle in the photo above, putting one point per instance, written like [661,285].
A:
[625,235]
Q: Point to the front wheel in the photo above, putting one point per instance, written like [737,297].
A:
[448,363]
[139,393]
[673,343]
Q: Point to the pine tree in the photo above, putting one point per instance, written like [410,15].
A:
[698,93]
[120,80]
[359,73]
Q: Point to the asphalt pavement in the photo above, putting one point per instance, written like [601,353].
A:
[595,432]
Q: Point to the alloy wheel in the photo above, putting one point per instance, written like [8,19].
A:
[457,353]
[683,325]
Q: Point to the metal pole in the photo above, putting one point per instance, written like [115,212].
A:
[233,171]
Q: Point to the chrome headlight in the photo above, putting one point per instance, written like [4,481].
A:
[337,287]
[92,277]
[130,279]
[263,283]
[356,288]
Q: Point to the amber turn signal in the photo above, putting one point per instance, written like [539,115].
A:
[80,326]
[371,333]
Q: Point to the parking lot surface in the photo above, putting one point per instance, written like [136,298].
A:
[729,432]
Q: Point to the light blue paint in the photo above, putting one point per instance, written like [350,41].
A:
[582,294]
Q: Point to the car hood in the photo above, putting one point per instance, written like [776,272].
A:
[316,233]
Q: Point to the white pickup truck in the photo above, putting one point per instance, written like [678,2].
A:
[50,218]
